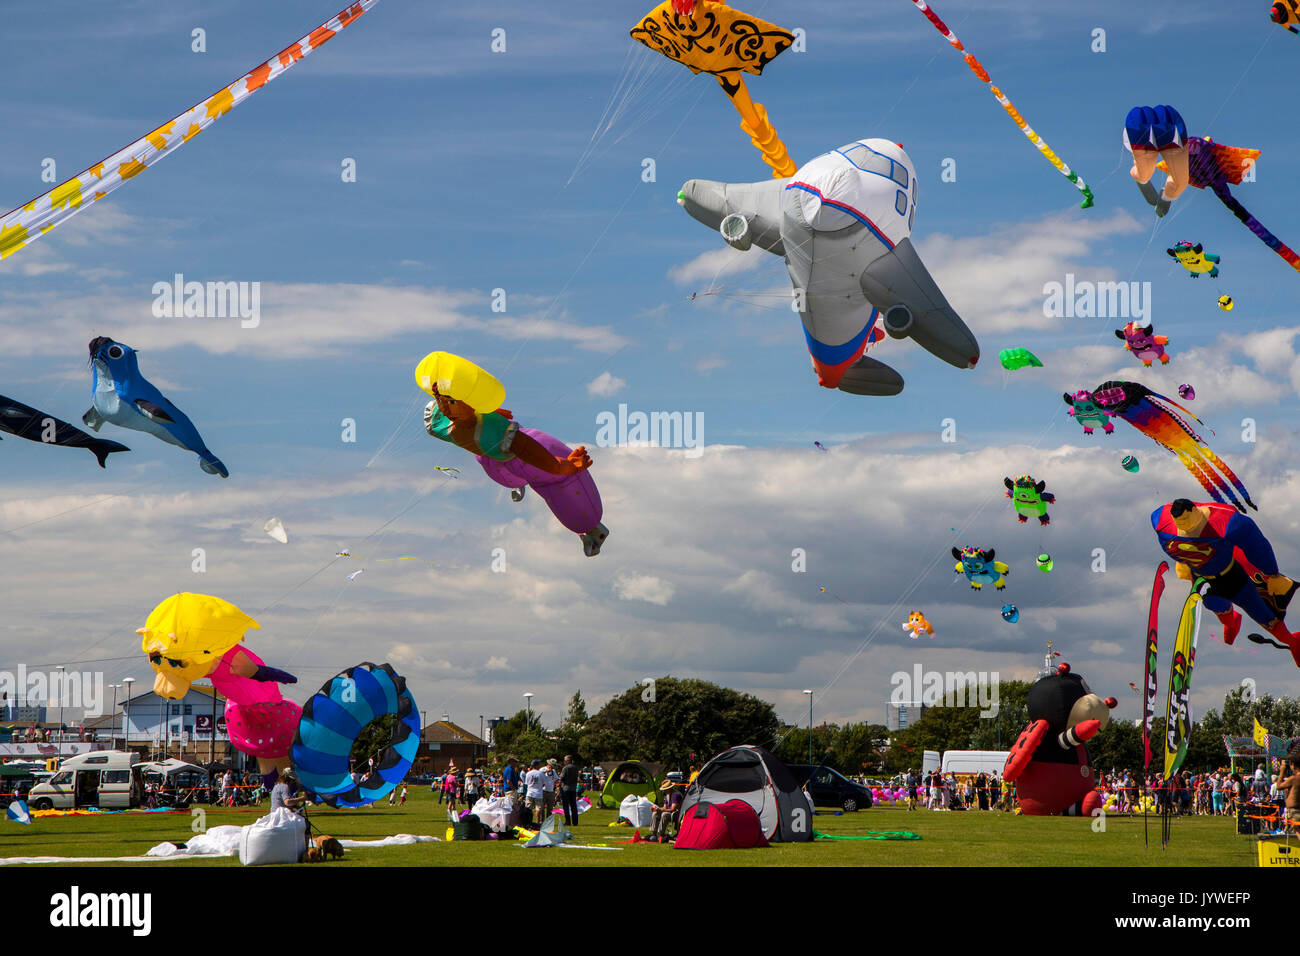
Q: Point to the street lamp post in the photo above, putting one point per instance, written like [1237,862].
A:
[62,694]
[809,693]
[112,743]
[529,699]
[126,714]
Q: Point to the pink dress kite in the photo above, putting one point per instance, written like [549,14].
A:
[259,721]
[573,499]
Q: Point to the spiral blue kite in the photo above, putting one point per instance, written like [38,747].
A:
[331,722]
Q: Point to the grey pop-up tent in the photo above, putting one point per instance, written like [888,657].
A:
[759,779]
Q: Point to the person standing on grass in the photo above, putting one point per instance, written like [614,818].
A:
[535,794]
[550,783]
[510,778]
[283,793]
[913,779]
[1289,783]
[449,787]
[569,791]
[402,801]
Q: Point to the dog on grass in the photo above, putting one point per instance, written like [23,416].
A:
[323,847]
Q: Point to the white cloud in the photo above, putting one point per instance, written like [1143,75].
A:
[644,587]
[605,385]
[995,281]
[723,261]
[1106,648]
[705,590]
[298,320]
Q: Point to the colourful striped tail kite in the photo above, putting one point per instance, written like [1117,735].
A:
[1150,413]
[32,220]
[978,69]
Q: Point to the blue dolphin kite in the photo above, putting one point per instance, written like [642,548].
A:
[125,397]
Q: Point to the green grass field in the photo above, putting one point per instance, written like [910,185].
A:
[948,839]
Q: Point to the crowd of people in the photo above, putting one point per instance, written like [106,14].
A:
[953,791]
[542,787]
[1218,793]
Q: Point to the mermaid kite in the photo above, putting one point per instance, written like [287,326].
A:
[191,636]
[1150,413]
[466,411]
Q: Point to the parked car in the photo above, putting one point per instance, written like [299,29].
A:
[830,788]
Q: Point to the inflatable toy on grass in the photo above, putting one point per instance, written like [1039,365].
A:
[192,636]
[1049,763]
[466,411]
[335,717]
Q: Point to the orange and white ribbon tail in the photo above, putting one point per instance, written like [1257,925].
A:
[978,69]
[32,220]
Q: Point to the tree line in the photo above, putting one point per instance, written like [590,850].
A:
[681,721]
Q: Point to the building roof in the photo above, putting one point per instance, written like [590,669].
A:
[445,732]
[204,690]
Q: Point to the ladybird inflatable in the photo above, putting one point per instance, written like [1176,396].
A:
[1049,763]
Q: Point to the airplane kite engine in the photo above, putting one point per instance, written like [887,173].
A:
[735,230]
[898,321]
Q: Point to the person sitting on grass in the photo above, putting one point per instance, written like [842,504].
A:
[665,811]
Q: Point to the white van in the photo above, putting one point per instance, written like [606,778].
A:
[929,761]
[974,761]
[108,779]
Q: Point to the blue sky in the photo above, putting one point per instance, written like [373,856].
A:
[478,171]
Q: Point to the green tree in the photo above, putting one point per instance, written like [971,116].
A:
[792,745]
[1118,746]
[670,719]
[505,740]
[374,739]
[939,729]
[1000,731]
[568,736]
[856,748]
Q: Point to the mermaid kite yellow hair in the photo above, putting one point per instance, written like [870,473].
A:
[441,373]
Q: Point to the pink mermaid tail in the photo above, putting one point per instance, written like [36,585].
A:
[573,499]
[259,721]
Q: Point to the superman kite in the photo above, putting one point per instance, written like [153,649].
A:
[1227,549]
